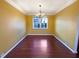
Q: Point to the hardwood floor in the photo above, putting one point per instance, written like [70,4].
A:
[40,47]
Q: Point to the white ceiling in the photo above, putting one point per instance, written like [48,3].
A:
[49,7]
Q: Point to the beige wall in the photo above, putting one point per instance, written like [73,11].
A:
[66,24]
[50,29]
[12,26]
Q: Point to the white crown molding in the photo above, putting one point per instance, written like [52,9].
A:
[70,2]
[15,6]
[21,10]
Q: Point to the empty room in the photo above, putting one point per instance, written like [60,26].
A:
[39,28]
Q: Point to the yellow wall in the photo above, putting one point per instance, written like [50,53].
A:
[12,26]
[50,29]
[65,24]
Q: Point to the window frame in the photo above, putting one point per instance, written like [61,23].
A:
[40,24]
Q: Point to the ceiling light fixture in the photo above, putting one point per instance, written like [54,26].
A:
[41,14]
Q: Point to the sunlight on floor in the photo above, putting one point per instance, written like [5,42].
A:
[43,45]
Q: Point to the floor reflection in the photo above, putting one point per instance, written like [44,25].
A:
[43,45]
[40,47]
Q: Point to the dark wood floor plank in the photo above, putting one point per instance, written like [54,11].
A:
[37,46]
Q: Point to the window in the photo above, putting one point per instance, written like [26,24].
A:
[40,23]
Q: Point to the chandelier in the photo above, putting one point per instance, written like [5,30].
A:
[40,14]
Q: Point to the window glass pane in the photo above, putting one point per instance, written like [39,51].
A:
[44,22]
[40,23]
[36,23]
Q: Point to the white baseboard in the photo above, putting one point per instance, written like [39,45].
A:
[73,51]
[65,44]
[2,56]
[39,34]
